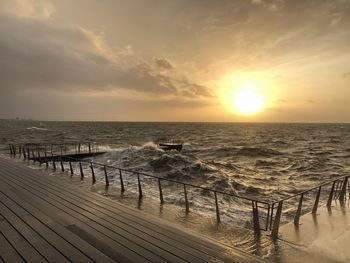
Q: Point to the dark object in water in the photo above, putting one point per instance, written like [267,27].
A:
[171,146]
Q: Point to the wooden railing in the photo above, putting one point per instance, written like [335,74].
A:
[326,192]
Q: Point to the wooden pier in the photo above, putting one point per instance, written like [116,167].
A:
[65,158]
[43,219]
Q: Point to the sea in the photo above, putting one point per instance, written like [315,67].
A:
[263,161]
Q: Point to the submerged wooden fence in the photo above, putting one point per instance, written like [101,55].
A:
[266,215]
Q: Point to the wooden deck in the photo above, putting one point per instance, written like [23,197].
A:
[43,219]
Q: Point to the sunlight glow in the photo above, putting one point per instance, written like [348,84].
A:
[247,100]
[248,94]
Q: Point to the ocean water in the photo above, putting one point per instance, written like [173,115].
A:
[261,161]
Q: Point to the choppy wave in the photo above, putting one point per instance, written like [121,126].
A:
[257,152]
[265,161]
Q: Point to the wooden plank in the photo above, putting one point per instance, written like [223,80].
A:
[99,232]
[150,243]
[102,211]
[21,245]
[7,251]
[155,224]
[119,246]
[212,251]
[148,250]
[52,238]
[72,240]
[36,241]
[132,232]
[121,221]
[172,235]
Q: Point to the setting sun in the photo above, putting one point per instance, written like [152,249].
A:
[247,100]
[247,95]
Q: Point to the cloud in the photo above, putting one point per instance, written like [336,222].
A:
[38,54]
[269,5]
[37,9]
[194,90]
[336,18]
[163,63]
[179,102]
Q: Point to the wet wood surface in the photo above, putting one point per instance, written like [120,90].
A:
[43,219]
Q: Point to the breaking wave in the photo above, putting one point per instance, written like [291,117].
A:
[264,161]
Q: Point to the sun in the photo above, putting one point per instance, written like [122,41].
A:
[248,94]
[247,99]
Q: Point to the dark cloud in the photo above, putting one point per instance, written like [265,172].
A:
[163,63]
[37,54]
[194,90]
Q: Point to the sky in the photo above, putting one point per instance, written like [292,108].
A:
[175,60]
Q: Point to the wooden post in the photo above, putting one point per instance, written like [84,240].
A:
[92,173]
[14,149]
[268,217]
[81,171]
[45,154]
[10,146]
[343,189]
[62,167]
[33,155]
[160,191]
[314,209]
[330,197]
[186,199]
[39,157]
[217,208]
[139,185]
[298,213]
[121,181]
[271,215]
[276,223]
[24,153]
[28,153]
[89,148]
[256,223]
[106,176]
[53,162]
[337,191]
[79,147]
[71,168]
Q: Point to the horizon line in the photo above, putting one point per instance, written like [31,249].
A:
[162,121]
